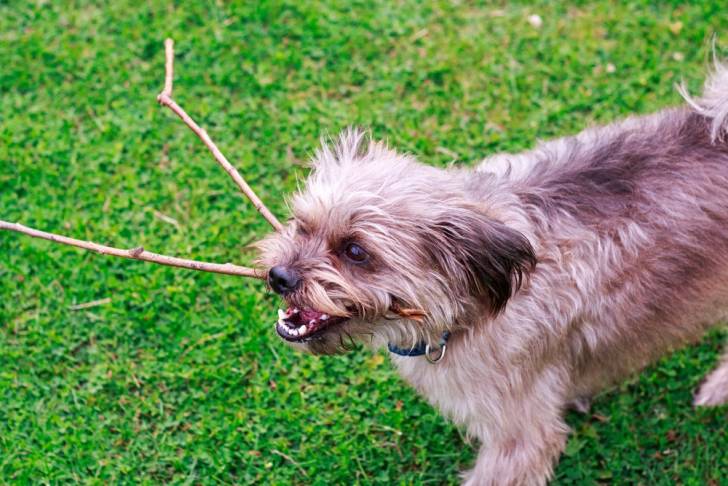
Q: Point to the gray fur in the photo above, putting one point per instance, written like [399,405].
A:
[558,271]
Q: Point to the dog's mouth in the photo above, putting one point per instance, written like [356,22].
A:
[301,324]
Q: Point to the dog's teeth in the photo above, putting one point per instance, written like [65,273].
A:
[312,322]
[295,310]
[302,329]
[281,315]
[324,317]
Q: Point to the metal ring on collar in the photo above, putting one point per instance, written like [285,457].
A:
[432,360]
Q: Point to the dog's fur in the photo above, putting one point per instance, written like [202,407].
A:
[558,271]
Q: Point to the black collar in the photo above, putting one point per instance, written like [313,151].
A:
[422,349]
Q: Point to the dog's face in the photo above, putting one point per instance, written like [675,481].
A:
[381,248]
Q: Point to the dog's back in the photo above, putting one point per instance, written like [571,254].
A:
[635,216]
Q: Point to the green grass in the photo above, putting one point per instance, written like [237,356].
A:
[180,378]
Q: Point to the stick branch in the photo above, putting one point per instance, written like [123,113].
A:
[138,253]
[165,99]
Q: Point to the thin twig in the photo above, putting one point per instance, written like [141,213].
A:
[289,459]
[166,219]
[168,67]
[414,314]
[89,305]
[165,99]
[138,253]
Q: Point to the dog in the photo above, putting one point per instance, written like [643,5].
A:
[509,292]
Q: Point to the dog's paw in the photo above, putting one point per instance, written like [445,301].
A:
[710,396]
[714,391]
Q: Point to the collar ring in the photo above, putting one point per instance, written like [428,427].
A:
[433,360]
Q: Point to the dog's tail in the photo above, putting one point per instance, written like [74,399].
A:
[713,103]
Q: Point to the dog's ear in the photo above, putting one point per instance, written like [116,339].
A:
[488,257]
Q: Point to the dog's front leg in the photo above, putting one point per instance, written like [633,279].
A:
[524,457]
[521,446]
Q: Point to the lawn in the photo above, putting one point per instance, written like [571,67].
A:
[179,377]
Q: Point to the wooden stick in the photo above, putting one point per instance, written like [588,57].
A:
[168,67]
[409,313]
[165,99]
[138,253]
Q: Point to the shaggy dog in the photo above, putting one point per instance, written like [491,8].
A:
[508,292]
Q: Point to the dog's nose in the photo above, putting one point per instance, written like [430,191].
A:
[283,280]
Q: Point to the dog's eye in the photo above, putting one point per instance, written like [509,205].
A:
[356,253]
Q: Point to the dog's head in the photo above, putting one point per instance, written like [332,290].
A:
[381,248]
